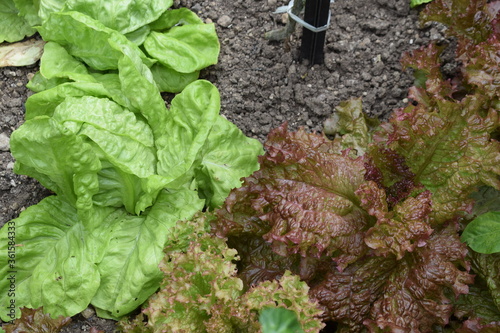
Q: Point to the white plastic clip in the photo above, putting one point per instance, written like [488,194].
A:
[288,9]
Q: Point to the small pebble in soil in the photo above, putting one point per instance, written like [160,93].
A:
[224,21]
[4,142]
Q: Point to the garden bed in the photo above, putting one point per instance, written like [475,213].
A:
[263,84]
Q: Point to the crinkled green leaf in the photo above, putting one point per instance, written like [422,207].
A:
[51,267]
[137,84]
[35,321]
[111,82]
[46,7]
[64,260]
[29,10]
[397,295]
[400,230]
[186,48]
[302,200]
[228,156]
[483,233]
[125,144]
[14,27]
[351,126]
[290,293]
[449,150]
[125,140]
[123,16]
[38,146]
[196,282]
[192,115]
[39,83]
[86,39]
[129,267]
[45,102]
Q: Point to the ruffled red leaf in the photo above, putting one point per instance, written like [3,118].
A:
[474,19]
[302,200]
[403,229]
[449,150]
[35,321]
[406,295]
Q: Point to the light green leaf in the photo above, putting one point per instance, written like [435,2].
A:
[483,233]
[45,102]
[170,80]
[50,267]
[38,146]
[125,140]
[87,39]
[13,27]
[29,10]
[46,7]
[414,3]
[129,269]
[121,15]
[138,36]
[137,84]
[39,83]
[279,320]
[227,157]
[122,141]
[112,84]
[66,279]
[187,48]
[58,63]
[192,115]
[170,18]
[118,188]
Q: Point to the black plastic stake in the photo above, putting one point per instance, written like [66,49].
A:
[316,14]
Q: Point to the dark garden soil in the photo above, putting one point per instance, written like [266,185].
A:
[263,84]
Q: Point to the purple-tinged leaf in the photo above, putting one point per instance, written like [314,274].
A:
[401,230]
[481,65]
[449,150]
[302,200]
[35,321]
[465,18]
[476,326]
[406,295]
